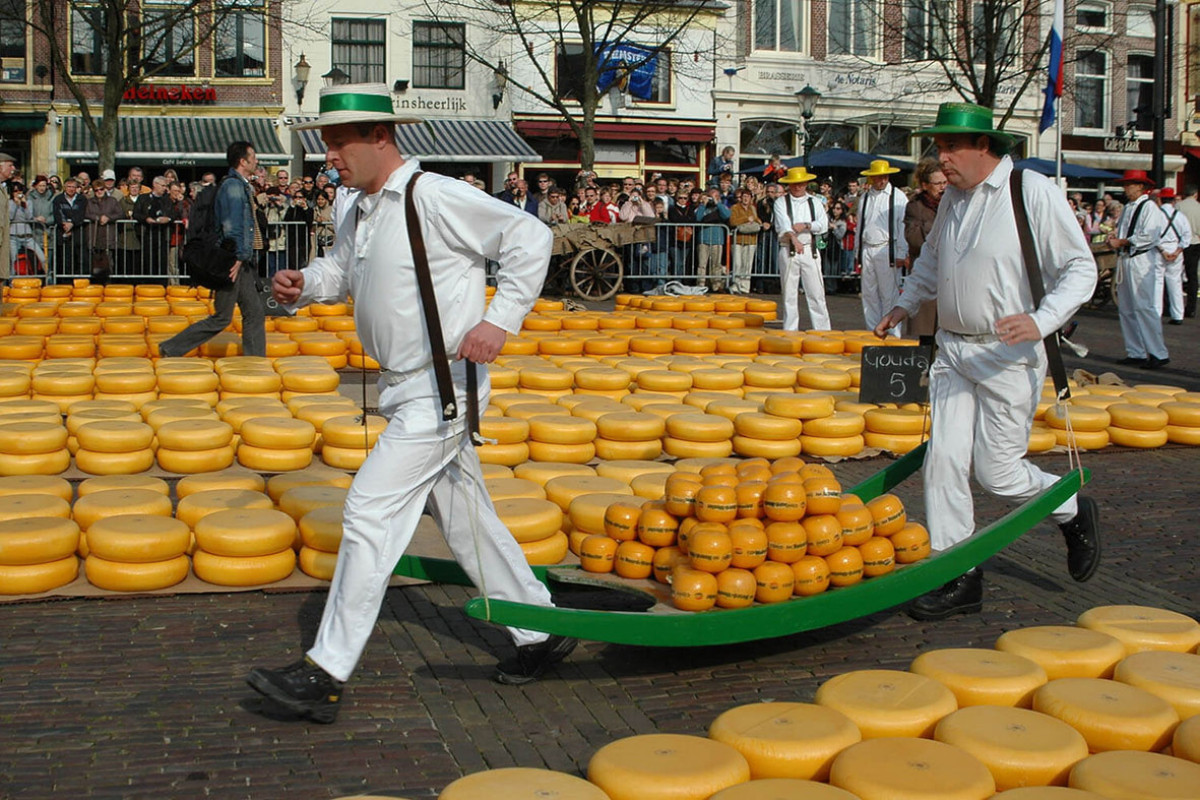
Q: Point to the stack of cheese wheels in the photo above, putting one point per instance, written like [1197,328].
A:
[196,505]
[320,536]
[246,376]
[628,435]
[537,527]
[786,740]
[1088,426]
[766,435]
[114,447]
[37,553]
[505,441]
[34,447]
[187,446]
[315,475]
[95,506]
[137,552]
[234,477]
[63,382]
[318,408]
[301,379]
[557,438]
[187,378]
[698,435]
[599,381]
[299,500]
[244,547]
[896,430]
[129,378]
[15,380]
[905,768]
[520,783]
[826,432]
[1041,438]
[347,439]
[884,703]
[1183,422]
[1137,425]
[546,381]
[666,766]
[327,345]
[84,412]
[276,443]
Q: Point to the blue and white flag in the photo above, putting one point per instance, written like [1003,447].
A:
[1054,86]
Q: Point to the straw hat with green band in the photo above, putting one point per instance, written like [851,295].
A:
[355,102]
[954,118]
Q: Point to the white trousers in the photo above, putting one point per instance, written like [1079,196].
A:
[983,398]
[1170,274]
[743,263]
[804,270]
[1141,317]
[880,286]
[417,458]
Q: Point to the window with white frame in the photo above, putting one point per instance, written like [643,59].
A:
[12,41]
[1091,90]
[1093,17]
[439,55]
[927,27]
[240,39]
[359,48]
[1139,91]
[89,52]
[780,25]
[168,34]
[853,27]
[1139,21]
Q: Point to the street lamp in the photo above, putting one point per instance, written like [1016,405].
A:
[807,98]
[300,78]
[335,77]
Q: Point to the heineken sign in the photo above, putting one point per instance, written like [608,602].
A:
[170,94]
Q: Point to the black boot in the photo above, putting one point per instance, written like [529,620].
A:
[302,688]
[1082,533]
[533,659]
[963,595]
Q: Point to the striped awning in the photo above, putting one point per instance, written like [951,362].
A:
[175,141]
[461,140]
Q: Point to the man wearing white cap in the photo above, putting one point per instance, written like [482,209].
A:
[8,165]
[799,218]
[404,315]
[882,247]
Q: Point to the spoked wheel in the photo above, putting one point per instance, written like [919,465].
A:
[596,273]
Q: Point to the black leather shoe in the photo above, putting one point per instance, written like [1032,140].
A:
[1083,540]
[302,688]
[1155,363]
[1132,362]
[1175,322]
[533,659]
[963,595]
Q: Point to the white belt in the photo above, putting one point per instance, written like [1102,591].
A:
[393,377]
[976,338]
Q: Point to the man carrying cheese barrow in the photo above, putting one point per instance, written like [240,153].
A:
[986,381]
[424,455]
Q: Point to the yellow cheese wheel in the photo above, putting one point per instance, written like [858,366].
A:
[36,484]
[630,426]
[687,448]
[138,538]
[1141,628]
[823,379]
[349,431]
[612,450]
[29,438]
[1019,747]
[1109,714]
[321,529]
[546,552]
[625,470]
[1084,440]
[311,381]
[125,463]
[541,473]
[299,500]
[1136,776]
[101,505]
[273,460]
[1134,416]
[1178,434]
[786,740]
[277,433]
[520,783]
[188,462]
[23,506]
[199,504]
[1082,418]
[562,490]
[317,563]
[77,419]
[236,417]
[699,427]
[187,382]
[1175,677]
[557,429]
[350,458]
[1050,793]
[768,376]
[982,677]
[114,436]
[504,430]
[799,406]
[663,380]
[1182,414]
[245,532]
[126,382]
[37,578]
[887,702]
[666,766]
[828,447]
[839,424]
[898,443]
[902,768]
[898,421]
[602,378]
[768,426]
[243,571]
[1185,743]
[783,789]
[228,478]
[586,511]
[121,576]
[508,455]
[63,383]
[564,453]
[546,377]
[651,486]
[251,381]
[766,448]
[35,463]
[1041,439]
[1065,652]
[1147,398]
[1137,438]
[510,488]
[37,540]
[195,434]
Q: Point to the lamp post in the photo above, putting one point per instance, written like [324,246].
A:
[807,98]
[335,77]
[300,73]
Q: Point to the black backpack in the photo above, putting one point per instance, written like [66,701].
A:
[207,255]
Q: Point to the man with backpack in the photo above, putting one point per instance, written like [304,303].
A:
[226,212]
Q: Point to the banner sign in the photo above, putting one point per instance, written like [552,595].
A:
[613,61]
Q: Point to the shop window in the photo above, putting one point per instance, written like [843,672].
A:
[826,135]
[168,39]
[616,152]
[767,137]
[239,40]
[89,53]
[780,25]
[672,153]
[889,140]
[1091,90]
[439,55]
[853,28]
[12,41]
[359,48]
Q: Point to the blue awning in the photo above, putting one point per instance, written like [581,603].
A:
[461,140]
[175,141]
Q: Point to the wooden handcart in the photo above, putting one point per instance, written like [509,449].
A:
[589,256]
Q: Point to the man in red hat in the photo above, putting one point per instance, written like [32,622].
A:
[1176,237]
[1136,241]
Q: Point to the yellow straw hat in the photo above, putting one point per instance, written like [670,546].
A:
[879,167]
[798,175]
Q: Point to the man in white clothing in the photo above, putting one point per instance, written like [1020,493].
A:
[1189,207]
[1136,240]
[425,453]
[798,219]
[986,380]
[882,247]
[1177,237]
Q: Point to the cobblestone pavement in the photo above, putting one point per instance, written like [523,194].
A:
[144,697]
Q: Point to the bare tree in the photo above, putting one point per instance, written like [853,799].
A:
[575,50]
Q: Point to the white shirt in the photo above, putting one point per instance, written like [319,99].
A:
[463,227]
[1190,207]
[972,264]
[800,214]
[1177,233]
[873,226]
[1146,237]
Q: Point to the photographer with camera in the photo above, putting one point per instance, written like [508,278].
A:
[711,236]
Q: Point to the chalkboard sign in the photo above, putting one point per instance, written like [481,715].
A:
[895,374]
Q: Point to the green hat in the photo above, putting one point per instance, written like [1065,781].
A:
[955,118]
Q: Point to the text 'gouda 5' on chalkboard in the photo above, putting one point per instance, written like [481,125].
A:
[895,374]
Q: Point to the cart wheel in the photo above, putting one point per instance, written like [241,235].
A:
[596,273]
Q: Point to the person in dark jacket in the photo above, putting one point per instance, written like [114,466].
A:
[103,212]
[153,215]
[299,219]
[70,215]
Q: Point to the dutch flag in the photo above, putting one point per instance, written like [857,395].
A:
[1054,85]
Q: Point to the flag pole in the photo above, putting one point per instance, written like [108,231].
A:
[1058,156]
